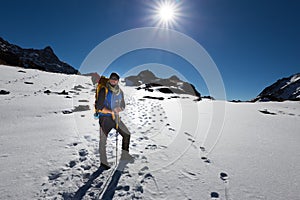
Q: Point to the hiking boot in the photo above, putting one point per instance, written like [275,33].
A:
[104,166]
[127,157]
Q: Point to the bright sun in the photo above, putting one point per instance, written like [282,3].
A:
[166,12]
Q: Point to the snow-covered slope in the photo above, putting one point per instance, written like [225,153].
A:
[49,144]
[283,89]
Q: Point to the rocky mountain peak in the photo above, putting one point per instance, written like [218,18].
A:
[174,78]
[147,74]
[171,85]
[283,89]
[48,49]
[42,59]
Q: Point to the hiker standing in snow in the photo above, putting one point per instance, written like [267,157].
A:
[109,103]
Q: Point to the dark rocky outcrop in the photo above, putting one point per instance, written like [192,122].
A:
[283,89]
[4,92]
[148,81]
[43,59]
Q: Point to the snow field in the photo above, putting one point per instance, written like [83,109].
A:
[182,149]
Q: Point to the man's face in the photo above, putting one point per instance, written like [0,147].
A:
[113,81]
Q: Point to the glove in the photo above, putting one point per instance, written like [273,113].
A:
[96,115]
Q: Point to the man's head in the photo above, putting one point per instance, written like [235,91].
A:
[114,79]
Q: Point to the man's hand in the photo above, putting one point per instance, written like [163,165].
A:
[96,115]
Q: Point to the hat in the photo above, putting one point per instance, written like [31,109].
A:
[114,76]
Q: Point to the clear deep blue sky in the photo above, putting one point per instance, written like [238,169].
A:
[252,42]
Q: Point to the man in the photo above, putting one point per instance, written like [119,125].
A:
[109,104]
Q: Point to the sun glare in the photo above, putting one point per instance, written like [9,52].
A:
[166,13]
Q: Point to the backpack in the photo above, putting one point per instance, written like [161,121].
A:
[101,83]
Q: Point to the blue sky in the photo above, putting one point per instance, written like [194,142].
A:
[252,42]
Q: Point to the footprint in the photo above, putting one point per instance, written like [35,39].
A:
[4,156]
[83,152]
[125,188]
[86,167]
[171,129]
[192,140]
[144,159]
[75,143]
[189,175]
[54,175]
[223,176]
[205,159]
[151,146]
[188,134]
[139,188]
[88,138]
[147,177]
[202,148]
[214,195]
[142,171]
[72,163]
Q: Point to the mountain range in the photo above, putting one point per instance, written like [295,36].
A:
[45,59]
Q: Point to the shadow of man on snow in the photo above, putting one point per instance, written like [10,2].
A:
[111,188]
[83,189]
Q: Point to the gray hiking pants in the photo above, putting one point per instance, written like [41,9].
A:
[106,124]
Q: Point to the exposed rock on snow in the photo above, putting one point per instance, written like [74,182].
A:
[29,83]
[150,97]
[4,92]
[67,112]
[267,112]
[81,108]
[78,87]
[63,93]
[47,92]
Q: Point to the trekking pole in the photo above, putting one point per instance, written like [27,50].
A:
[116,147]
[117,126]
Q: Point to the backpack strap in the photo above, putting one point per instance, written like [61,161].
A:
[106,90]
[104,111]
[97,94]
